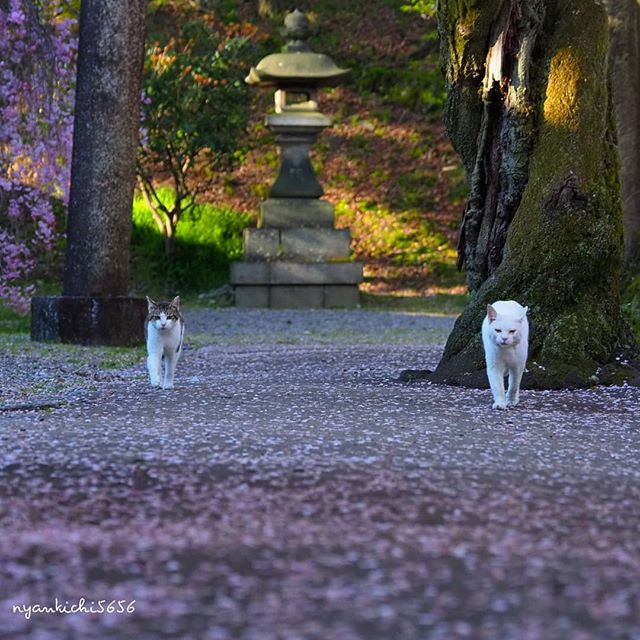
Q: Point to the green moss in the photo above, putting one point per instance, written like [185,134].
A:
[464,27]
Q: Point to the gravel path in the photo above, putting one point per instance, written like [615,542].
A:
[290,488]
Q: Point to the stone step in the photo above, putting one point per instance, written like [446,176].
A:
[282,272]
[288,213]
[297,296]
[261,244]
[302,243]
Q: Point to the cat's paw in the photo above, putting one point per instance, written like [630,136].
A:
[513,402]
[499,405]
[167,385]
[155,384]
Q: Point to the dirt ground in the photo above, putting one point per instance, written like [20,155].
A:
[291,488]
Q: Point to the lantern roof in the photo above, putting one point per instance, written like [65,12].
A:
[296,64]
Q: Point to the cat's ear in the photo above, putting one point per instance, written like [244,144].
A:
[151,303]
[522,317]
[492,314]
[176,302]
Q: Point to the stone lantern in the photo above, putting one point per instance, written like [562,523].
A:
[296,257]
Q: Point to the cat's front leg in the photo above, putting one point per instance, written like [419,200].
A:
[496,382]
[170,362]
[513,392]
[154,366]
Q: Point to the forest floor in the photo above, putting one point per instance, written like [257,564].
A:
[291,488]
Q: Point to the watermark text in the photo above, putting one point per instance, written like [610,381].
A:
[82,606]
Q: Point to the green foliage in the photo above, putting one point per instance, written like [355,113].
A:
[196,109]
[418,85]
[415,189]
[631,305]
[196,98]
[404,238]
[458,186]
[423,7]
[206,242]
[12,322]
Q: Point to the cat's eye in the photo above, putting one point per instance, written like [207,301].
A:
[498,330]
[512,331]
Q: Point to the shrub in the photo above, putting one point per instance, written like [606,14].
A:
[206,242]
[195,110]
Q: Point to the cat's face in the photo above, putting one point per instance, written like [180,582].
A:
[504,331]
[163,315]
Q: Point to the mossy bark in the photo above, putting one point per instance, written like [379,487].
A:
[624,62]
[545,192]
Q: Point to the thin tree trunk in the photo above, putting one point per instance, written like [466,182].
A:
[169,246]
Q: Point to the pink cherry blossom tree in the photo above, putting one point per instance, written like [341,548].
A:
[37,75]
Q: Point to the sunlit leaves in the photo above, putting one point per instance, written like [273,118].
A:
[196,108]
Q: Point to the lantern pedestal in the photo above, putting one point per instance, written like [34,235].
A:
[296,133]
[296,257]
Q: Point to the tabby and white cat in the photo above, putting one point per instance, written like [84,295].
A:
[505,336]
[164,328]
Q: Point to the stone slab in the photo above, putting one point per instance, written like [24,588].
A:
[341,297]
[289,213]
[315,244]
[299,121]
[281,272]
[261,244]
[252,297]
[249,273]
[296,297]
[88,320]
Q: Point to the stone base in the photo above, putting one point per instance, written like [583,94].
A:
[304,285]
[288,272]
[297,296]
[292,213]
[297,244]
[110,321]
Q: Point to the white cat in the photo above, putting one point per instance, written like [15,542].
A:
[165,331]
[505,336]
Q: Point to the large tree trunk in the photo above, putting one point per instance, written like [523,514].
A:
[529,111]
[624,61]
